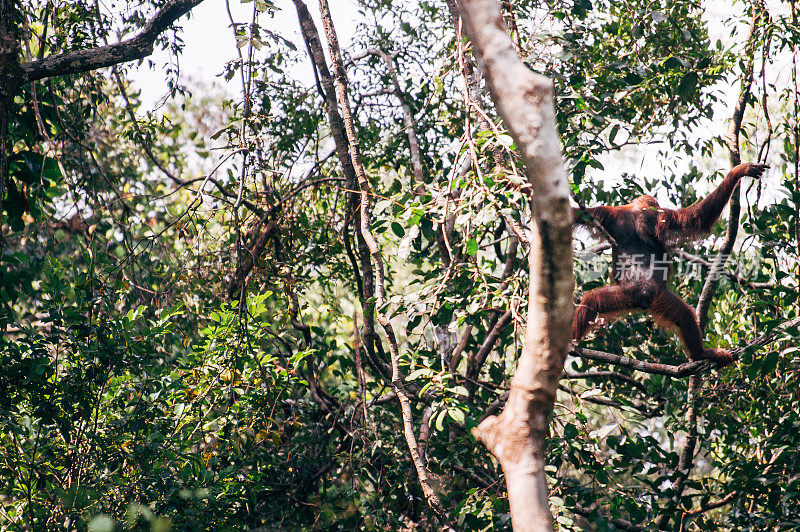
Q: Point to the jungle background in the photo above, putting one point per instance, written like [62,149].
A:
[194,334]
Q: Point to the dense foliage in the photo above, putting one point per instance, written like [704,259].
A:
[188,336]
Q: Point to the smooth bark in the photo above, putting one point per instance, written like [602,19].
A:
[525,102]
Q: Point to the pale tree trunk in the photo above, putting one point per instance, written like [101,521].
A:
[525,102]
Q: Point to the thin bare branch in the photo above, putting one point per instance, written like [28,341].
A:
[397,380]
[408,117]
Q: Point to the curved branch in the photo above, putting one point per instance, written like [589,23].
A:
[682,370]
[686,369]
[137,47]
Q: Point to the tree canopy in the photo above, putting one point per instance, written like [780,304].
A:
[289,306]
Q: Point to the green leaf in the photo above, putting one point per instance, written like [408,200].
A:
[460,390]
[613,133]
[770,363]
[603,432]
[456,414]
[417,373]
[262,6]
[472,247]
[687,86]
[789,351]
[440,420]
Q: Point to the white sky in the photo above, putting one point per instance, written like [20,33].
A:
[209,42]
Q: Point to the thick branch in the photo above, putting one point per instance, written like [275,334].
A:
[682,370]
[137,47]
[9,83]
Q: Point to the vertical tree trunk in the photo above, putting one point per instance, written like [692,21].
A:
[9,73]
[525,102]
[10,79]
[376,257]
